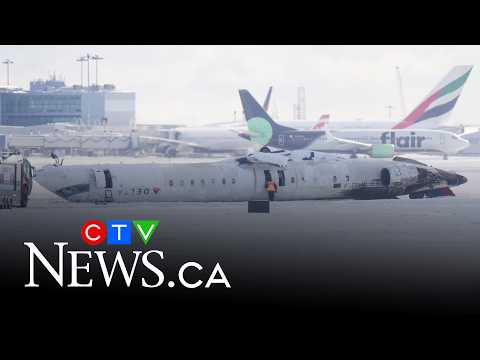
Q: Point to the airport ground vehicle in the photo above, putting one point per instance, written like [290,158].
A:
[16,179]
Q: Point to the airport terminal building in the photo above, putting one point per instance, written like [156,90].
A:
[51,101]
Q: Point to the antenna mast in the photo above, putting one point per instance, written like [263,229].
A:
[400,92]
[301,104]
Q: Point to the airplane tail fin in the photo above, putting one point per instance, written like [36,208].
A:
[260,125]
[266,103]
[322,122]
[435,109]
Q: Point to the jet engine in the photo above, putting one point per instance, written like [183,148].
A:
[269,149]
[382,151]
[398,176]
[170,151]
[173,134]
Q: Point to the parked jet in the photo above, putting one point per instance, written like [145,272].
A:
[412,134]
[299,177]
[409,135]
[217,137]
[263,130]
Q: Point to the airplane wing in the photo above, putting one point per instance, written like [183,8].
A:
[246,134]
[161,140]
[222,123]
[341,144]
[469,131]
[346,145]
[354,144]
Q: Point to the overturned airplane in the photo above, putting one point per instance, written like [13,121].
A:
[299,176]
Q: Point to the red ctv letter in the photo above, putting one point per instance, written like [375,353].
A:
[94,232]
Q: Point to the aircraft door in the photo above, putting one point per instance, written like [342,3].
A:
[261,178]
[100,182]
[442,139]
[101,185]
[270,175]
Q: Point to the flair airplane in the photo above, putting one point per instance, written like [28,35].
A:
[298,176]
[412,134]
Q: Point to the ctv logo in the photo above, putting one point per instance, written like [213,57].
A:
[117,232]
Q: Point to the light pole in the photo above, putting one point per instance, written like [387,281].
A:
[8,62]
[81,59]
[400,91]
[96,58]
[389,107]
[88,57]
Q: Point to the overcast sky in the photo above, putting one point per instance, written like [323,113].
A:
[199,84]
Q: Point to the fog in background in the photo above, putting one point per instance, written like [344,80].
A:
[199,84]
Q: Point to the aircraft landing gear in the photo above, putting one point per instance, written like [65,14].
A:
[418,195]
[170,152]
[353,155]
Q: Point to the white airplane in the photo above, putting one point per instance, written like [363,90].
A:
[414,133]
[299,176]
[219,137]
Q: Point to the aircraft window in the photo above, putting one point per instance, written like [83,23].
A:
[202,182]
[224,181]
[192,182]
[182,182]
[292,180]
[233,181]
[347,178]
[281,178]
[303,178]
[170,182]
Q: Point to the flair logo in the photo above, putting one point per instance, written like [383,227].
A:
[407,141]
[117,232]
